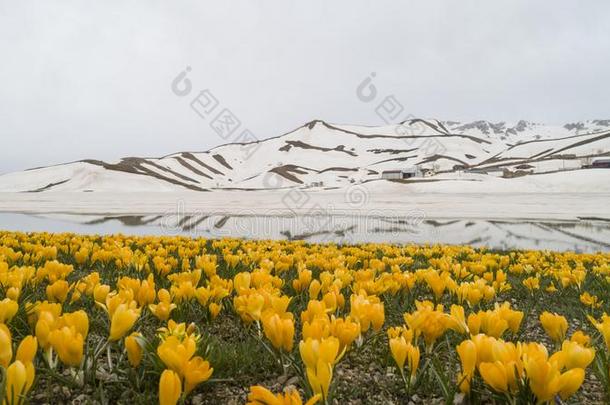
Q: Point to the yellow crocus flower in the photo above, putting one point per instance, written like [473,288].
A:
[346,330]
[495,375]
[262,396]
[398,348]
[6,346]
[570,382]
[319,357]
[27,350]
[196,371]
[175,354]
[8,309]
[214,309]
[413,359]
[68,344]
[573,355]
[78,319]
[122,320]
[554,325]
[467,351]
[58,291]
[603,327]
[279,330]
[319,378]
[170,388]
[134,350]
[19,380]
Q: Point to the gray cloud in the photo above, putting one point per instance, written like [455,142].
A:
[92,79]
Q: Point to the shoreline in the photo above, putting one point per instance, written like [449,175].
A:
[367,202]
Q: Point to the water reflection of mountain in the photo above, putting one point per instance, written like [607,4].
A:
[587,235]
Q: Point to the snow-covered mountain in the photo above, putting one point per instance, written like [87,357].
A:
[324,155]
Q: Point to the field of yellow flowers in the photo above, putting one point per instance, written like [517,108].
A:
[118,319]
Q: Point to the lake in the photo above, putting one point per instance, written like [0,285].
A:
[586,235]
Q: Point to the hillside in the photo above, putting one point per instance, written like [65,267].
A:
[323,155]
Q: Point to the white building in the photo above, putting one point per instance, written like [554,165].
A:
[402,173]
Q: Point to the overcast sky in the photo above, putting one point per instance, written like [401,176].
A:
[92,79]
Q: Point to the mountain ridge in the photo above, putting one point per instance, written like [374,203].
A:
[319,154]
